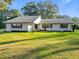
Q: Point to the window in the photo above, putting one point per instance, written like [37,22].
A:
[47,26]
[63,25]
[16,25]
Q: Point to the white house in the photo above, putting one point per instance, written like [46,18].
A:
[33,23]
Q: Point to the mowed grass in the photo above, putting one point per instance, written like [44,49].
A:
[39,45]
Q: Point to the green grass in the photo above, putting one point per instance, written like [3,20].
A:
[39,45]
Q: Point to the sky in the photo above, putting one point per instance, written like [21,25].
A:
[66,7]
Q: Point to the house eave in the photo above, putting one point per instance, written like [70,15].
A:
[55,23]
[17,22]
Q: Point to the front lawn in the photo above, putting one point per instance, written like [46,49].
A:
[39,45]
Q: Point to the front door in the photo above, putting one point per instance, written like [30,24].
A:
[29,28]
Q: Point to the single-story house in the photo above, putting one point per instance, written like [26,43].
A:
[34,23]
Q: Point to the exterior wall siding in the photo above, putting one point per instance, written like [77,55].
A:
[8,27]
[29,27]
[56,27]
[24,27]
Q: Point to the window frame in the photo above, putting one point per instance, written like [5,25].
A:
[16,26]
[63,25]
[47,25]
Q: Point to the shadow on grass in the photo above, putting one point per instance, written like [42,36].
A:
[59,51]
[36,38]
[73,42]
[10,32]
[31,52]
[34,53]
[55,51]
[3,49]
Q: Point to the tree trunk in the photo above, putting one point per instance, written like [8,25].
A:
[44,29]
[73,29]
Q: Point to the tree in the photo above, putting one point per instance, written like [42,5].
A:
[45,26]
[6,1]
[3,10]
[75,26]
[13,13]
[30,9]
[64,16]
[75,19]
[50,9]
[4,4]
[45,9]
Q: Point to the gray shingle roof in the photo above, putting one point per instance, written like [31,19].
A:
[22,19]
[56,21]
